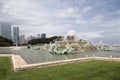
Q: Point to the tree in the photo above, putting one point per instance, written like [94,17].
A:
[5,42]
[44,40]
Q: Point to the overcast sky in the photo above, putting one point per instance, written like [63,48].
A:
[94,20]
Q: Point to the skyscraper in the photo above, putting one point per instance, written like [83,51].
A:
[16,35]
[38,36]
[22,39]
[43,35]
[5,30]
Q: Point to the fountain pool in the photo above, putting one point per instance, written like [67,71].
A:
[37,56]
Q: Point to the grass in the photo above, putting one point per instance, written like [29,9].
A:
[91,70]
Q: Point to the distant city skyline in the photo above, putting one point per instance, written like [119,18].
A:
[94,20]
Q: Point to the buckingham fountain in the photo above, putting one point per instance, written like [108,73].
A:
[70,44]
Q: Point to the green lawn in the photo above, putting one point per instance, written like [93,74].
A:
[91,70]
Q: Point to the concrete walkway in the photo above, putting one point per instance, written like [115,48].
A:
[20,64]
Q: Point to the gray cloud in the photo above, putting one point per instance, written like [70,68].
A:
[94,20]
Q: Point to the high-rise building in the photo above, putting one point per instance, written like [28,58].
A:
[16,35]
[22,39]
[43,35]
[38,36]
[5,30]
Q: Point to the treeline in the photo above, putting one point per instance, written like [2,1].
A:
[44,40]
[5,42]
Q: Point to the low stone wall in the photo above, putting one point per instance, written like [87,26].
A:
[19,63]
[53,63]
